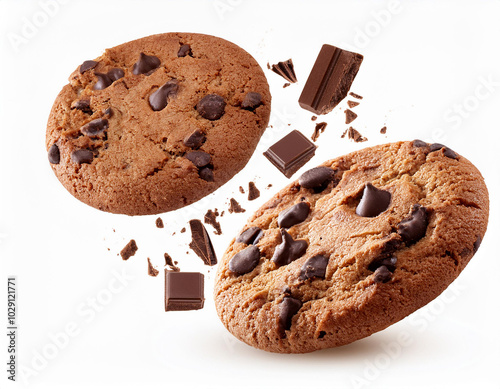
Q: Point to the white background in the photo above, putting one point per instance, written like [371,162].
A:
[431,71]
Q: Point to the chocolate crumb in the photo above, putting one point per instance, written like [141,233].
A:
[383,130]
[201,243]
[354,135]
[349,116]
[352,104]
[151,270]
[355,95]
[222,213]
[183,230]
[269,186]
[285,70]
[129,250]
[159,223]
[211,218]
[320,127]
[242,190]
[268,66]
[253,192]
[171,264]
[313,118]
[286,85]
[235,207]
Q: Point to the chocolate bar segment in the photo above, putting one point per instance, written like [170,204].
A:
[291,153]
[183,291]
[330,79]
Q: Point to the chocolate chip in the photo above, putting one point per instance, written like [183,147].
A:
[82,156]
[251,101]
[389,263]
[195,140]
[184,50]
[413,227]
[293,215]
[54,155]
[199,158]
[103,81]
[316,178]
[206,174]
[146,64]
[314,267]
[436,146]
[288,309]
[83,105]
[245,261]
[382,275]
[374,201]
[211,107]
[477,243]
[95,127]
[159,99]
[87,65]
[251,235]
[447,152]
[288,250]
[115,74]
[419,143]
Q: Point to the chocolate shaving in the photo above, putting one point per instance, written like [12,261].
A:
[201,243]
[349,116]
[129,250]
[285,70]
[151,270]
[320,127]
[253,192]
[354,135]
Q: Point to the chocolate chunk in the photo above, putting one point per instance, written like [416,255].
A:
[288,309]
[211,218]
[374,201]
[253,192]
[146,64]
[199,158]
[251,101]
[195,140]
[389,263]
[330,79]
[83,105]
[419,143]
[314,267]
[477,243]
[352,104]
[184,50]
[115,74]
[288,250]
[129,250]
[317,178]
[159,99]
[201,243]
[170,263]
[318,129]
[159,223]
[183,291]
[355,95]
[286,85]
[245,261]
[447,152]
[413,228]
[313,118]
[151,270]
[354,135]
[285,69]
[349,116]
[235,207]
[383,130]
[382,275]
[290,153]
[54,155]
[251,235]
[87,65]
[241,189]
[95,127]
[294,215]
[211,107]
[103,81]
[82,156]
[206,174]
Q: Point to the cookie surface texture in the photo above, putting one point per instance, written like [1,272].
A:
[157,123]
[387,229]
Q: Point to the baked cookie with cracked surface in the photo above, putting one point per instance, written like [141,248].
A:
[155,124]
[352,247]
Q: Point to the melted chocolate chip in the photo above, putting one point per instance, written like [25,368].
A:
[413,228]
[95,127]
[251,235]
[316,178]
[83,105]
[115,74]
[314,267]
[374,201]
[195,140]
[382,275]
[82,156]
[54,155]
[211,107]
[199,158]
[184,50]
[206,174]
[159,99]
[419,143]
[103,81]
[146,64]
[389,263]
[245,261]
[288,309]
[251,101]
[477,243]
[294,215]
[288,250]
[447,152]
[87,65]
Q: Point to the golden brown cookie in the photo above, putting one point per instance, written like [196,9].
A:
[352,247]
[158,123]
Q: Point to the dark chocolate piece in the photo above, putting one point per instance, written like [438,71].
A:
[294,215]
[146,64]
[477,243]
[82,105]
[349,116]
[170,263]
[330,79]
[356,96]
[151,270]
[211,218]
[129,250]
[253,192]
[199,158]
[317,178]
[159,223]
[184,50]
[201,243]
[82,156]
[235,207]
[383,130]
[251,101]
[158,100]
[183,291]
[251,235]
[314,267]
[54,154]
[414,227]
[95,127]
[374,201]
[288,309]
[285,69]
[211,107]
[288,250]
[354,135]
[382,275]
[195,140]
[291,153]
[352,104]
[245,261]
[206,174]
[318,129]
[87,65]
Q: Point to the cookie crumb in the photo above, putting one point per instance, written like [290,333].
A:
[129,250]
[352,104]
[356,96]
[211,218]
[235,207]
[268,66]
[383,130]
[151,270]
[159,223]
[320,127]
[349,116]
[354,135]
[253,192]
[171,264]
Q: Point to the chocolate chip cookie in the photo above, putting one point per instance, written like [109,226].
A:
[155,124]
[352,247]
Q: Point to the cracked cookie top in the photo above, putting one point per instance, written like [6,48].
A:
[155,124]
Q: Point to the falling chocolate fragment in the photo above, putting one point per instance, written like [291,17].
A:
[245,261]
[285,69]
[183,291]
[330,79]
[288,250]
[294,215]
[206,174]
[211,218]
[373,202]
[54,154]
[352,104]
[199,158]
[290,153]
[146,64]
[158,100]
[419,143]
[382,275]
[129,250]
[170,263]
[201,243]
[82,105]
[354,135]
[288,309]
[235,207]
[251,235]
[349,116]
[314,267]
[253,192]
[286,85]
[159,223]
[318,129]
[151,270]
[356,96]
[414,227]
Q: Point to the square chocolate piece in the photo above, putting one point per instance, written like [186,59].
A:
[291,153]
[183,291]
